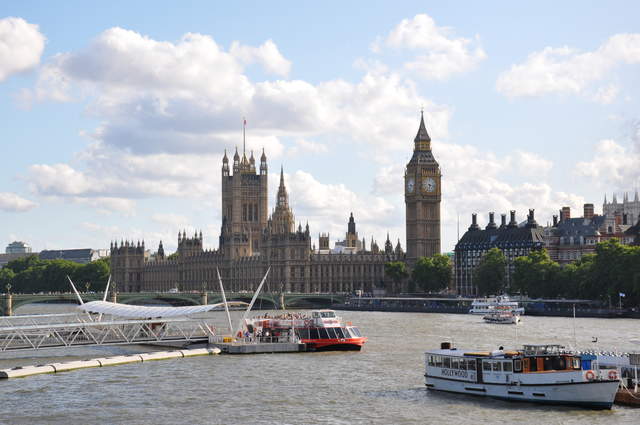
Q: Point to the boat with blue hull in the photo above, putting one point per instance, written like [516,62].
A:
[536,373]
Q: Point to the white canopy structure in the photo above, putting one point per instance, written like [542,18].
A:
[138,312]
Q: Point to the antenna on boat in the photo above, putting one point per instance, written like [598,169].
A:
[224,300]
[575,343]
[253,300]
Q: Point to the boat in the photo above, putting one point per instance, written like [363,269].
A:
[502,317]
[322,330]
[489,304]
[536,373]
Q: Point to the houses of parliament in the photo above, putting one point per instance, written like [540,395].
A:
[252,240]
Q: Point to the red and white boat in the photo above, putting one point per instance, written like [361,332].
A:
[321,331]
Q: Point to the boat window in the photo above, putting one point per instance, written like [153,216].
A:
[430,360]
[332,333]
[471,364]
[533,364]
[547,364]
[486,365]
[315,314]
[446,362]
[303,333]
[328,314]
[497,366]
[559,363]
[454,363]
[438,361]
[323,333]
[463,364]
[339,333]
[517,366]
[507,366]
[356,331]
[576,363]
[313,333]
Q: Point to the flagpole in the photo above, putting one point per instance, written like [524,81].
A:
[244,143]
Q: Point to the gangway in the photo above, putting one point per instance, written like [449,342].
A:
[37,332]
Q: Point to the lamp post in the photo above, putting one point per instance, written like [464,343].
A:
[8,301]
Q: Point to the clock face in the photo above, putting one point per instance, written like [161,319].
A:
[428,184]
[411,184]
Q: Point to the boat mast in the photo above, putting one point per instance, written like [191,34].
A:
[224,300]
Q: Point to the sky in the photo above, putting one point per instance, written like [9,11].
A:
[115,116]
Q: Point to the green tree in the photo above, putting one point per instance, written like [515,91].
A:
[22,264]
[432,274]
[489,275]
[538,276]
[396,271]
[96,273]
[6,277]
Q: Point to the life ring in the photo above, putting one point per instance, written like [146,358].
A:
[590,375]
[613,375]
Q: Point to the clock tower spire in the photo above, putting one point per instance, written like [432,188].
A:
[422,197]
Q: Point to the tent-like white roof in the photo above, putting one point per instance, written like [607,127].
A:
[143,312]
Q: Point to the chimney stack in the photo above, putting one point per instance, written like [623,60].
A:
[566,213]
[588,211]
[474,222]
[503,219]
[492,223]
[512,222]
[555,220]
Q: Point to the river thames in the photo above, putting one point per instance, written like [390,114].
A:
[382,384]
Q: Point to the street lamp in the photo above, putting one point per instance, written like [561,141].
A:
[87,285]
[8,286]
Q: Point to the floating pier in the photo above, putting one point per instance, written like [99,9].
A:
[259,348]
[23,371]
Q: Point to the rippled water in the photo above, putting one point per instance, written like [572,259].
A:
[382,384]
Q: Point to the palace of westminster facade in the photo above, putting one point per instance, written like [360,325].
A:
[251,240]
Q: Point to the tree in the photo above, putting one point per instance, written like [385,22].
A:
[538,276]
[432,274]
[6,277]
[95,273]
[489,275]
[22,264]
[397,271]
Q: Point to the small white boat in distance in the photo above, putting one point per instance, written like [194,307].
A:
[537,373]
[489,304]
[502,317]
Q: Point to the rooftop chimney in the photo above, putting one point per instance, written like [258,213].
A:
[531,220]
[474,222]
[503,220]
[566,213]
[492,223]
[512,223]
[555,220]
[588,211]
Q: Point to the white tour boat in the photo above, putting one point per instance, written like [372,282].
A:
[537,373]
[489,304]
[502,317]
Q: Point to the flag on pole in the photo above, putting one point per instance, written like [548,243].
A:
[622,294]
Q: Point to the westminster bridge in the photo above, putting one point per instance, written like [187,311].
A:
[268,301]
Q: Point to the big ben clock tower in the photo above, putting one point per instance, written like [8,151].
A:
[422,195]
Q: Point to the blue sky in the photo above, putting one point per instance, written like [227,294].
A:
[115,116]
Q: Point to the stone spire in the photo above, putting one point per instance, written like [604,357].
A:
[283,197]
[282,217]
[422,140]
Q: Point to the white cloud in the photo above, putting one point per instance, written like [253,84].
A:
[303,147]
[565,70]
[530,164]
[613,166]
[11,202]
[606,95]
[21,45]
[189,96]
[266,55]
[441,53]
